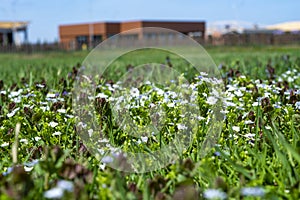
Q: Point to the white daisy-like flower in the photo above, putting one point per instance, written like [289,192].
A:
[268,127]
[107,159]
[228,103]
[57,133]
[171,105]
[181,127]
[214,194]
[101,95]
[83,125]
[5,144]
[297,104]
[40,85]
[203,74]
[15,93]
[53,124]
[101,151]
[238,93]
[159,91]
[61,110]
[24,141]
[211,100]
[50,95]
[134,92]
[290,79]
[236,128]
[249,122]
[54,193]
[250,135]
[144,139]
[45,108]
[65,185]
[90,132]
[253,191]
[12,113]
[28,169]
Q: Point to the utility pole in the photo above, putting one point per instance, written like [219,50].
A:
[91,26]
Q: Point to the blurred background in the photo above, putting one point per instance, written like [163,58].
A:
[78,24]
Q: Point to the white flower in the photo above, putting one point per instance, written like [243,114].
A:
[107,159]
[5,144]
[28,169]
[65,185]
[228,103]
[24,141]
[267,94]
[32,163]
[57,133]
[58,191]
[255,104]
[290,79]
[214,194]
[61,110]
[53,124]
[15,94]
[249,135]
[203,74]
[181,127]
[268,127]
[101,151]
[297,104]
[90,132]
[151,105]
[249,122]
[238,93]
[44,108]
[277,105]
[211,100]
[104,140]
[54,193]
[171,105]
[12,113]
[40,85]
[50,95]
[253,191]
[101,95]
[236,128]
[144,139]
[134,92]
[69,116]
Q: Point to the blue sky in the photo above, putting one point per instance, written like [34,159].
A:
[46,15]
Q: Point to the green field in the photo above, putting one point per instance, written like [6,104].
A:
[256,155]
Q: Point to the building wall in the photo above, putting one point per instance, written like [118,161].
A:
[183,27]
[69,33]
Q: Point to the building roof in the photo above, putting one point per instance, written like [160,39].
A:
[287,26]
[258,31]
[11,25]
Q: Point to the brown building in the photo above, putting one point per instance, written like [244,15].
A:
[82,35]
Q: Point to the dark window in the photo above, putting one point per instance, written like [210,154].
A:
[81,41]
[97,38]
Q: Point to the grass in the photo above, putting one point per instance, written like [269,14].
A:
[256,155]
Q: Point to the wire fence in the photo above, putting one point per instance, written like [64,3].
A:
[230,39]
